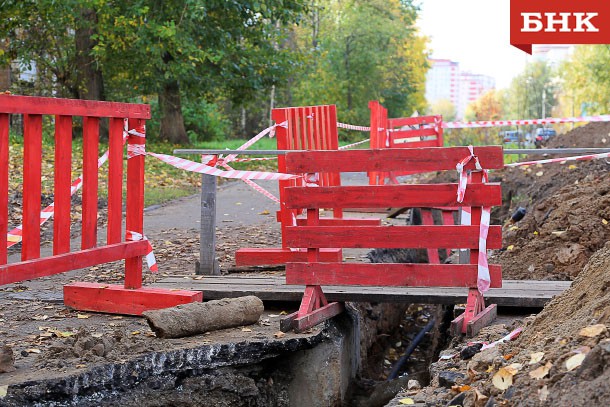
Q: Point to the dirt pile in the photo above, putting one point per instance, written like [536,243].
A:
[562,357]
[567,215]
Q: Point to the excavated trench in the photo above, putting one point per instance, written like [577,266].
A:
[346,363]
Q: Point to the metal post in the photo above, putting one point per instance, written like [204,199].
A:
[207,248]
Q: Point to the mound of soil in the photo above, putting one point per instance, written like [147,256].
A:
[562,358]
[567,215]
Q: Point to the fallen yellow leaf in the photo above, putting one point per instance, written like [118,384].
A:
[541,371]
[574,361]
[3,391]
[503,379]
[265,212]
[604,221]
[572,167]
[135,333]
[406,401]
[592,331]
[536,357]
[82,316]
[246,330]
[539,174]
[511,247]
[460,389]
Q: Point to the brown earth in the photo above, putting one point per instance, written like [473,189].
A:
[562,358]
[567,211]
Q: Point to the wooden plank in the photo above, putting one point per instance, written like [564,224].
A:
[115,299]
[63,181]
[405,159]
[263,256]
[71,107]
[389,274]
[134,220]
[413,121]
[414,144]
[47,266]
[418,133]
[392,196]
[32,161]
[207,235]
[91,131]
[394,237]
[343,222]
[513,293]
[4,162]
[115,181]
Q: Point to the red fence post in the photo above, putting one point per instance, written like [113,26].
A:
[62,195]
[32,158]
[115,180]
[135,202]
[4,124]
[91,130]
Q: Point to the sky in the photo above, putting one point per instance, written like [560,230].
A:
[474,33]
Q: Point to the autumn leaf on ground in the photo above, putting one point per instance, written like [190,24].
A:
[503,378]
[575,361]
[407,401]
[279,334]
[536,357]
[541,371]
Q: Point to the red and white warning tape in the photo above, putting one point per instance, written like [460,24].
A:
[201,168]
[352,127]
[550,120]
[151,261]
[483,276]
[561,159]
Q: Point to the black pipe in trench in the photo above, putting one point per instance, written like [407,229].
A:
[410,349]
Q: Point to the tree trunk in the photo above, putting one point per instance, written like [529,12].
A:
[90,83]
[172,122]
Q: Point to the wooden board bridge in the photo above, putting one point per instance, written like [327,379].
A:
[268,287]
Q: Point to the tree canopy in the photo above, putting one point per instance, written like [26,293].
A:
[220,61]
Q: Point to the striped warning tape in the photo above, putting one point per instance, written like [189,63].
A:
[523,122]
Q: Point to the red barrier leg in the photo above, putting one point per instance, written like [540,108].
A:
[116,299]
[476,315]
[314,309]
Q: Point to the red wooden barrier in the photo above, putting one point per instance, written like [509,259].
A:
[130,299]
[404,132]
[317,272]
[304,128]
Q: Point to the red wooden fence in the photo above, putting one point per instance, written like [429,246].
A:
[404,132]
[302,128]
[128,299]
[315,236]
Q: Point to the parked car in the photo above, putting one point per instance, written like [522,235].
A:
[545,133]
[512,136]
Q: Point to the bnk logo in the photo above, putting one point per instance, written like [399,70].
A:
[558,22]
[562,22]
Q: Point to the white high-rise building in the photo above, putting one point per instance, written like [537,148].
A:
[444,80]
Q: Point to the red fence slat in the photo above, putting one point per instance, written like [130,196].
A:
[62,175]
[4,126]
[91,131]
[71,107]
[135,204]
[421,160]
[32,158]
[391,237]
[389,274]
[392,196]
[115,180]
[27,270]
